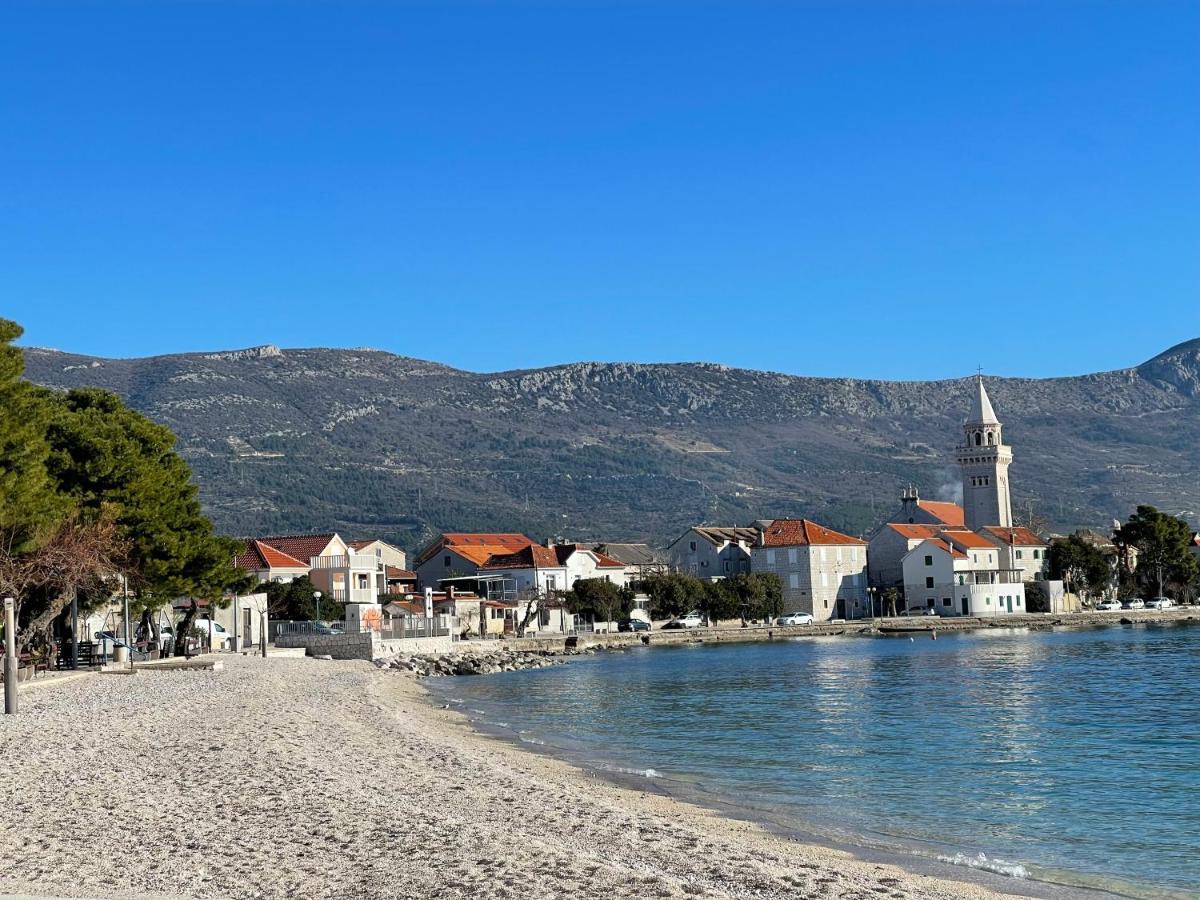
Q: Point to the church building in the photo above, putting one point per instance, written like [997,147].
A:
[984,460]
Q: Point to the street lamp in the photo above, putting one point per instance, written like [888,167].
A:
[317,600]
[871,591]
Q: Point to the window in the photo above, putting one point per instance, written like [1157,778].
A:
[945,601]
[827,603]
[1019,555]
[446,561]
[726,565]
[704,564]
[928,560]
[962,579]
[791,557]
[692,546]
[551,583]
[770,557]
[837,554]
[854,554]
[823,556]
[824,579]
[1037,554]
[794,581]
[929,581]
[978,439]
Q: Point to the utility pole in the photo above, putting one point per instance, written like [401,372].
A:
[10,655]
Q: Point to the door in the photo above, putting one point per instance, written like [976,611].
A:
[247,626]
[1009,604]
[964,606]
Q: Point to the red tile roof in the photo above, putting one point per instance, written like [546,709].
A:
[300,546]
[1020,536]
[259,555]
[945,512]
[534,556]
[475,547]
[798,532]
[401,574]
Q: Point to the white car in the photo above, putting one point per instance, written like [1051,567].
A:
[1160,603]
[1108,605]
[220,637]
[1135,603]
[796,618]
[691,620]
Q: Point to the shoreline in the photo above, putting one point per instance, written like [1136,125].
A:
[857,846]
[278,777]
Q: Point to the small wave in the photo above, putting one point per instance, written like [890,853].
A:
[503,725]
[531,740]
[980,861]
[645,773]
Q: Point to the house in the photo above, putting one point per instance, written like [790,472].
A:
[958,573]
[824,572]
[461,553]
[1020,549]
[387,554]
[336,570]
[915,521]
[534,568]
[583,563]
[711,552]
[887,548]
[268,564]
[399,581]
[641,560]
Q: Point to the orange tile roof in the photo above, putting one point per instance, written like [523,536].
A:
[534,556]
[914,532]
[475,547]
[965,538]
[946,512]
[798,532]
[953,551]
[1019,535]
[402,574]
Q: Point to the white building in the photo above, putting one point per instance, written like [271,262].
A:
[958,574]
[462,553]
[712,552]
[984,460]
[583,563]
[824,572]
[1019,549]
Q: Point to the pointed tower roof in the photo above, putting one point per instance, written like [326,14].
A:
[982,412]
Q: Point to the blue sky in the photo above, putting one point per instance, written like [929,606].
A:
[841,188]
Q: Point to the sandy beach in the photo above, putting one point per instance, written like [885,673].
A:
[289,777]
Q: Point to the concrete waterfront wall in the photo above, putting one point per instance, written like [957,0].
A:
[362,645]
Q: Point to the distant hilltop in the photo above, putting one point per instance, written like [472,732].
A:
[368,441]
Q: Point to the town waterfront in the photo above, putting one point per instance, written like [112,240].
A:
[1066,756]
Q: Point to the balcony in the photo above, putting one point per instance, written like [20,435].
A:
[353,595]
[360,561]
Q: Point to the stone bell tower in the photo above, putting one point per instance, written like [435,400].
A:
[984,460]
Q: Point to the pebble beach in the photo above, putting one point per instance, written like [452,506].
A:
[292,777]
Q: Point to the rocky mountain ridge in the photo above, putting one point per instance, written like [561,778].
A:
[368,442]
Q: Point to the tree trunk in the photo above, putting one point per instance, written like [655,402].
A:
[185,626]
[37,630]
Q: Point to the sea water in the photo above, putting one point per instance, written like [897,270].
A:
[1069,756]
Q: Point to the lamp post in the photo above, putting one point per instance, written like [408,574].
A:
[10,655]
[871,592]
[317,600]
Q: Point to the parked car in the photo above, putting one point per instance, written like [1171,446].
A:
[1160,603]
[919,611]
[220,637]
[796,618]
[633,625]
[1108,605]
[1134,603]
[691,620]
[324,628]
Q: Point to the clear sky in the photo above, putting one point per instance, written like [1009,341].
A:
[885,189]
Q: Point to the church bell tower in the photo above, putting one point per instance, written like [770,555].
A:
[984,460]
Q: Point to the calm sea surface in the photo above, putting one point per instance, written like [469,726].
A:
[1069,756]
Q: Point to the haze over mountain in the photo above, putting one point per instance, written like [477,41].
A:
[368,443]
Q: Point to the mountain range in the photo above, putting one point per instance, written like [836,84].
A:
[373,444]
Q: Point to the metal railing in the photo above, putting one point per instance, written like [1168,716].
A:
[354,595]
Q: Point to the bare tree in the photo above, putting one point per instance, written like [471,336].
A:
[79,556]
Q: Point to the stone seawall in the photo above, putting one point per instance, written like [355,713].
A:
[362,645]
[735,634]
